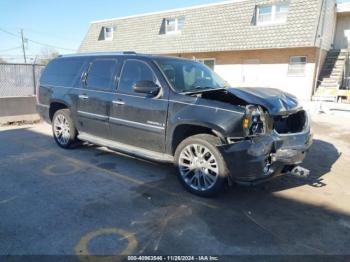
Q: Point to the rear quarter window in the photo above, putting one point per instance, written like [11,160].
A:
[62,71]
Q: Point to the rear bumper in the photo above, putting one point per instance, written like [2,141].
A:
[44,112]
[261,158]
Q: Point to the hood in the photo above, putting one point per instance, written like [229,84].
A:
[274,100]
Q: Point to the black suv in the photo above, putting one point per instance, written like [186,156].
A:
[174,110]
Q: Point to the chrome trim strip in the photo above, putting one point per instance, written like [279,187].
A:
[90,90]
[136,124]
[119,120]
[156,99]
[118,102]
[211,107]
[92,115]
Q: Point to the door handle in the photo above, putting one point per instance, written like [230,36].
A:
[84,97]
[118,102]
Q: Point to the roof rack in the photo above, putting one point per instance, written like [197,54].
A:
[129,53]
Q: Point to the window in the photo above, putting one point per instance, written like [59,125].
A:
[264,14]
[101,74]
[297,65]
[281,13]
[63,71]
[107,33]
[187,75]
[209,62]
[174,25]
[134,71]
[272,14]
[171,25]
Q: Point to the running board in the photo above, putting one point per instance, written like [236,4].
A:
[127,149]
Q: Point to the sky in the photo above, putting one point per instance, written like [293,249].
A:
[60,25]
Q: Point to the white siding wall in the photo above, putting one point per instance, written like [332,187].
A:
[327,24]
[273,76]
[343,23]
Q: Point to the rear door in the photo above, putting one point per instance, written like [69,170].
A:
[94,98]
[139,119]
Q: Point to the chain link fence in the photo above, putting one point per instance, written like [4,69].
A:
[19,80]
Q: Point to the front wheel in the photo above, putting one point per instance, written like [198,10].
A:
[202,169]
[63,129]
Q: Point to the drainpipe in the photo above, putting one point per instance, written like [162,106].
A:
[319,36]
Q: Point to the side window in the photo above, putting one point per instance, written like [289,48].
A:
[195,77]
[101,74]
[62,71]
[170,73]
[134,71]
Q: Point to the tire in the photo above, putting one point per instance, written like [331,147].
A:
[193,156]
[62,119]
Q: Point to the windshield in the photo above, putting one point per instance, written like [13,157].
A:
[190,76]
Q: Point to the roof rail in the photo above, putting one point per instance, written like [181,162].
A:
[129,53]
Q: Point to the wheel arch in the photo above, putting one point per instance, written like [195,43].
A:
[56,105]
[185,130]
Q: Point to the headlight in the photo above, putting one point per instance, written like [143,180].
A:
[254,121]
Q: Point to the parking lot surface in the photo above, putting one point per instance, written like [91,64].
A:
[90,200]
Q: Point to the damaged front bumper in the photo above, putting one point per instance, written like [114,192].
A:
[260,158]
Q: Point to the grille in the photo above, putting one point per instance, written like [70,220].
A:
[293,123]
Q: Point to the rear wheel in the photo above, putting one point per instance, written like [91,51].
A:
[63,129]
[202,169]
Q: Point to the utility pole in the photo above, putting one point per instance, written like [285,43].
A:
[24,51]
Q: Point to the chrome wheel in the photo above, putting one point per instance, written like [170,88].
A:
[61,129]
[198,167]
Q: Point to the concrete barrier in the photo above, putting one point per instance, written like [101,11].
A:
[15,109]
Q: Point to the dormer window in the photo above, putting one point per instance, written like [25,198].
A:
[108,33]
[174,25]
[272,14]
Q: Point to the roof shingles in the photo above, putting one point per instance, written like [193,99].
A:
[221,27]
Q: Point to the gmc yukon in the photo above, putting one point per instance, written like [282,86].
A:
[174,110]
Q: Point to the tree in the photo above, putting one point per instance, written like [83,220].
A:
[2,61]
[47,54]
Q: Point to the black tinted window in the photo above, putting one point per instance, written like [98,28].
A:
[134,71]
[101,74]
[62,71]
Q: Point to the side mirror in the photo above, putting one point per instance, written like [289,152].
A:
[146,87]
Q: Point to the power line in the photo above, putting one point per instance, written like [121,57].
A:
[7,32]
[43,44]
[52,35]
[36,42]
[10,49]
[47,34]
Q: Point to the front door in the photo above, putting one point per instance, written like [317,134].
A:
[95,96]
[138,119]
